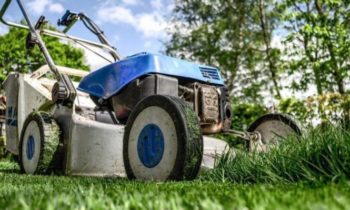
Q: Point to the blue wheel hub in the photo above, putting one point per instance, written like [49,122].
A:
[150,145]
[30,147]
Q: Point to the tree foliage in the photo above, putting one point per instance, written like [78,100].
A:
[15,57]
[319,31]
[319,36]
[239,37]
[233,35]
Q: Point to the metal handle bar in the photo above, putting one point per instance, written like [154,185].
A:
[68,92]
[36,34]
[51,33]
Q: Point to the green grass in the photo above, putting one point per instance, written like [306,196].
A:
[322,155]
[310,174]
[53,192]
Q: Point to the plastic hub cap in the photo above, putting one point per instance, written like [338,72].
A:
[150,145]
[30,147]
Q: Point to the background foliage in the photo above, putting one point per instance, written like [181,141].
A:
[15,57]
[269,50]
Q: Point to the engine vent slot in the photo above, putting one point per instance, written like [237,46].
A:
[210,73]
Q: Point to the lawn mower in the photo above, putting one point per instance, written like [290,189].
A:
[146,116]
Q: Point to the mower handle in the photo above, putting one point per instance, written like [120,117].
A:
[56,34]
[33,32]
[66,91]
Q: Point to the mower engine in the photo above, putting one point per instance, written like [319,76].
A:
[209,102]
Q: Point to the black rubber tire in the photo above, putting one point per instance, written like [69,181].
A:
[51,150]
[190,141]
[277,117]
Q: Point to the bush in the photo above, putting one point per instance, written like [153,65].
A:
[329,108]
[244,114]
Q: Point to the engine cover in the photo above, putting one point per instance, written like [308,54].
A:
[110,80]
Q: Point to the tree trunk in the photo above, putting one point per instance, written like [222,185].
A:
[336,72]
[267,42]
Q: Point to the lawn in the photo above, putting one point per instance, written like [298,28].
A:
[317,179]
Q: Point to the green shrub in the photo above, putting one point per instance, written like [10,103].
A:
[245,114]
[314,110]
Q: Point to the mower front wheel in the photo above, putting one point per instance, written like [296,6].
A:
[162,140]
[40,149]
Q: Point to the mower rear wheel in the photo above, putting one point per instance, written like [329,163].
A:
[272,129]
[162,140]
[40,149]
